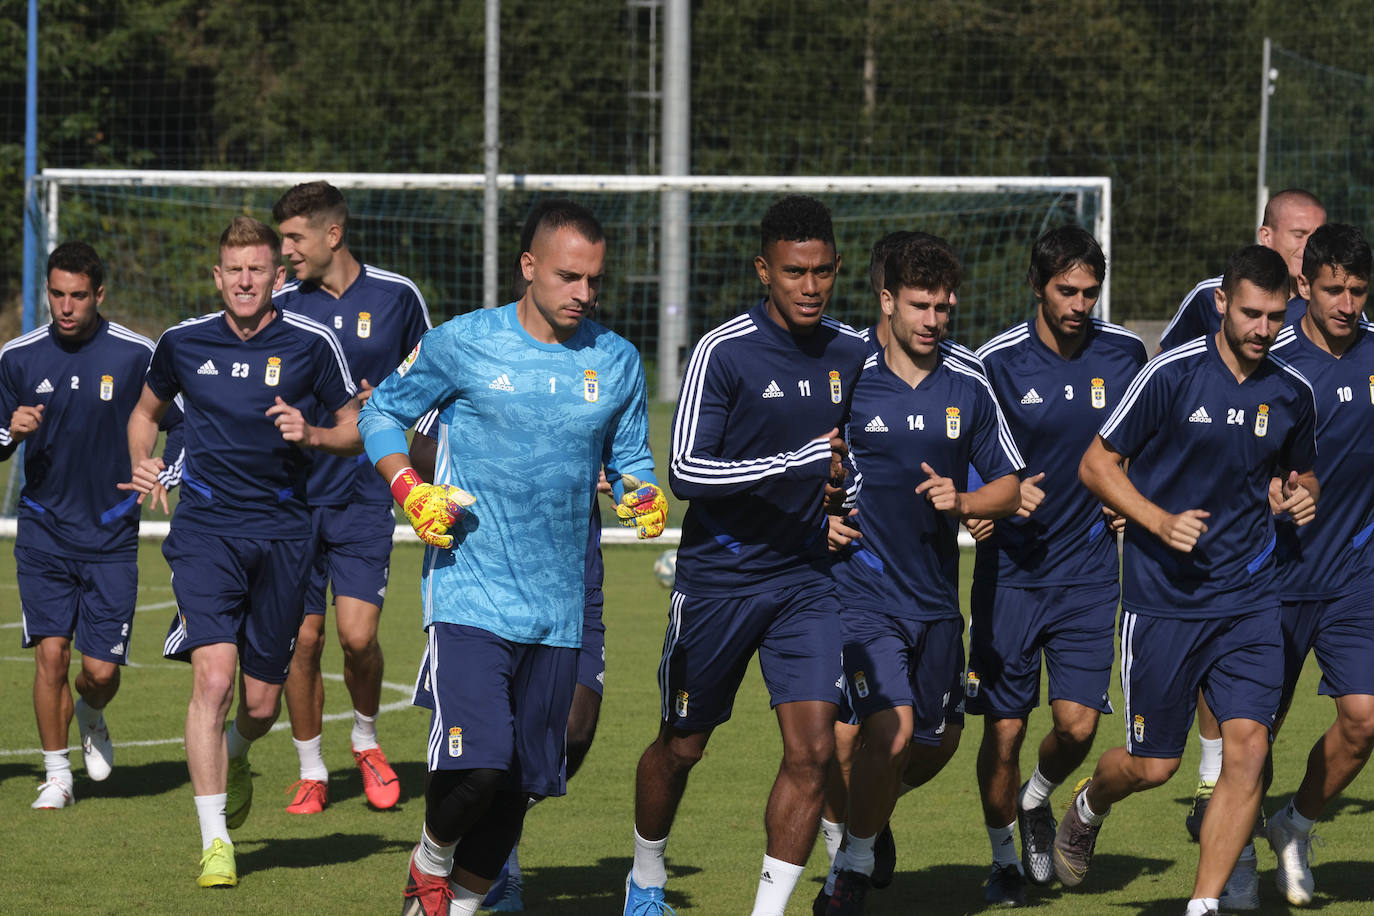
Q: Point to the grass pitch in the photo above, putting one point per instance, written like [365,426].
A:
[131,844]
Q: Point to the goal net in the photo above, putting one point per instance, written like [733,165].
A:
[157,232]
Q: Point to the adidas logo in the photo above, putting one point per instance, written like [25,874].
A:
[207,368]
[1032,397]
[1200,416]
[501,383]
[118,649]
[44,387]
[772,391]
[876,425]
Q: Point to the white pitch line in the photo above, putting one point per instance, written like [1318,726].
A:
[280,726]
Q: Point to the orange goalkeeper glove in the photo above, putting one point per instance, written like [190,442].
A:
[643,508]
[431,508]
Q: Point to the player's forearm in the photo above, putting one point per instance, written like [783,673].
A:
[336,440]
[1102,472]
[993,500]
[698,476]
[391,465]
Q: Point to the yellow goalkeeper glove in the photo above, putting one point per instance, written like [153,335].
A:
[643,508]
[431,508]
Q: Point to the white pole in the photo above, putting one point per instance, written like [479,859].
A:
[677,115]
[1267,77]
[491,137]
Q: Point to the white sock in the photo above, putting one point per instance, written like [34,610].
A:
[58,765]
[433,858]
[832,833]
[1037,792]
[776,881]
[1209,764]
[513,862]
[364,731]
[1294,816]
[1090,817]
[85,715]
[649,869]
[312,761]
[237,744]
[464,901]
[858,852]
[210,813]
[1003,845]
[1201,906]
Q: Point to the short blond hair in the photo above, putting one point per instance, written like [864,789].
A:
[246,232]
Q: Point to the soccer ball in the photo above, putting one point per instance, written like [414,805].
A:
[665,568]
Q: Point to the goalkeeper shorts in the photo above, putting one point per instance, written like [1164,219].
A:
[497,704]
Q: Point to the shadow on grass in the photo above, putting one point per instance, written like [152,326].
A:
[135,781]
[593,891]
[25,771]
[1338,882]
[253,856]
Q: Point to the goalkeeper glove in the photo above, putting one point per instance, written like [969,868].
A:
[431,508]
[643,508]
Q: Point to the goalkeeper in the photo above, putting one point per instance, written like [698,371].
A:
[532,399]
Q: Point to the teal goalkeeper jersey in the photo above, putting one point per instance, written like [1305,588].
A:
[524,427]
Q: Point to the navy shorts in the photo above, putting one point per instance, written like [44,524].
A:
[1341,631]
[706,650]
[591,658]
[498,705]
[891,661]
[92,601]
[1165,660]
[243,591]
[352,552]
[1010,628]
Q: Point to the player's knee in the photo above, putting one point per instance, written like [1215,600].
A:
[1153,771]
[52,657]
[101,678]
[1357,727]
[456,799]
[1003,738]
[359,642]
[309,642]
[1076,732]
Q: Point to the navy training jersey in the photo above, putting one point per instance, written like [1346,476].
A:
[907,562]
[379,319]
[239,477]
[1198,439]
[1055,407]
[754,401]
[70,505]
[1197,315]
[1331,556]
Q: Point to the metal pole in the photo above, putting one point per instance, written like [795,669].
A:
[491,198]
[1267,77]
[675,248]
[29,310]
